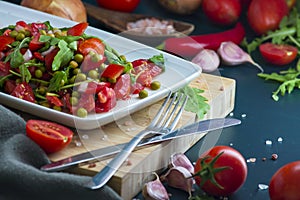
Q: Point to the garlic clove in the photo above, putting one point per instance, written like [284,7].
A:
[180,159]
[154,190]
[207,59]
[180,178]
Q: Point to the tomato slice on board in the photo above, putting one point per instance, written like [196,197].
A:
[50,136]
[282,54]
[77,29]
[4,41]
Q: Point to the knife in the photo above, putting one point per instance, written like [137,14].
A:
[106,152]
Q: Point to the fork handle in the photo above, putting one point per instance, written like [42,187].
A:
[102,177]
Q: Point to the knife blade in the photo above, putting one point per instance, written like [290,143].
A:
[106,152]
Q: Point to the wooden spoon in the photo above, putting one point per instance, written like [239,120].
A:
[117,22]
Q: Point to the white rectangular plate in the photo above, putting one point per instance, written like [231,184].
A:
[179,72]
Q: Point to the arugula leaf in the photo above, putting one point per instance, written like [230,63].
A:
[25,73]
[63,56]
[56,80]
[159,60]
[196,102]
[16,58]
[289,81]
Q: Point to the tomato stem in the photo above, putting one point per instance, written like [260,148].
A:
[207,171]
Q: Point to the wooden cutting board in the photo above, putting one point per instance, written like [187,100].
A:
[139,168]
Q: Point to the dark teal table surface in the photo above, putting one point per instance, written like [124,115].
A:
[265,119]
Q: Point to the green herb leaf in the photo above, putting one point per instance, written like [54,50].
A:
[196,102]
[56,80]
[63,56]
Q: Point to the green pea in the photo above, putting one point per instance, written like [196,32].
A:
[78,58]
[45,104]
[13,34]
[155,85]
[38,73]
[75,94]
[82,112]
[41,90]
[80,77]
[76,71]
[143,94]
[93,74]
[73,64]
[20,36]
[72,79]
[74,101]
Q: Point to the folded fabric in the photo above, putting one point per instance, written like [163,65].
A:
[20,177]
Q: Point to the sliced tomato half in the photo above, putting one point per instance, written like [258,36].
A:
[50,136]
[282,54]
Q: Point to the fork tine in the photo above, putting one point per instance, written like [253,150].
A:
[179,113]
[165,114]
[160,111]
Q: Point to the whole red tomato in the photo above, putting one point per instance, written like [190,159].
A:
[224,12]
[265,16]
[278,54]
[50,136]
[119,5]
[285,184]
[222,169]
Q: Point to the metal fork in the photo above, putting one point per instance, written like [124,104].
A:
[159,125]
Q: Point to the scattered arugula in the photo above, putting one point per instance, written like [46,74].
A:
[196,102]
[287,33]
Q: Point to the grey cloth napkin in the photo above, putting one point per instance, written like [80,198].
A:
[20,177]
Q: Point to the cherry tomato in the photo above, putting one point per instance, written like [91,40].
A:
[35,44]
[224,12]
[263,17]
[282,54]
[50,136]
[77,29]
[230,179]
[285,184]
[92,44]
[4,41]
[119,5]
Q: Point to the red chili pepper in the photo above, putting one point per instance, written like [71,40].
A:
[191,45]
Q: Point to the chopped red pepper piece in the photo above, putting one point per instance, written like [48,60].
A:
[112,71]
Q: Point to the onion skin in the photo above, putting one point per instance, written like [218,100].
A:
[73,10]
[183,7]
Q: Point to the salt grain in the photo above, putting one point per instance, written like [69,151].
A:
[251,160]
[231,114]
[268,142]
[280,139]
[77,143]
[262,186]
[244,115]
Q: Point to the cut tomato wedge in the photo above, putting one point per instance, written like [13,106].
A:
[50,136]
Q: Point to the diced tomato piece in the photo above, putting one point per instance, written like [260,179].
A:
[7,32]
[106,100]
[78,29]
[9,86]
[4,68]
[139,62]
[112,71]
[24,91]
[5,41]
[38,56]
[54,100]
[35,44]
[122,87]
